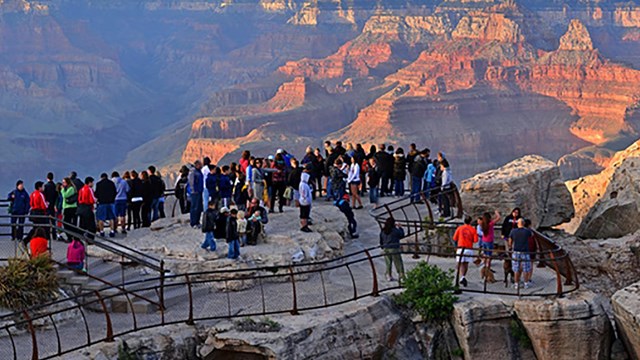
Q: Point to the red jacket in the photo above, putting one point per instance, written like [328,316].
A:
[37,201]
[85,196]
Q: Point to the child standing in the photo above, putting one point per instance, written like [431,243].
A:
[242,228]
[208,226]
[232,235]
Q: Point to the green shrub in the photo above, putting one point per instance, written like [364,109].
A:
[264,325]
[429,291]
[27,282]
[520,333]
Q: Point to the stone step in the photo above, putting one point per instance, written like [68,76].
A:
[79,280]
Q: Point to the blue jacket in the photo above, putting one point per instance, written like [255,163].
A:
[224,186]
[196,181]
[430,175]
[211,183]
[19,202]
[122,188]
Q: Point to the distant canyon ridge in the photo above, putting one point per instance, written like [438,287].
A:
[95,86]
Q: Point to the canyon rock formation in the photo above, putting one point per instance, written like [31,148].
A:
[626,308]
[607,203]
[531,183]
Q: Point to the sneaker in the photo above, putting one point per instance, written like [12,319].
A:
[112,234]
[516,286]
[306,229]
[464,282]
[124,232]
[102,233]
[527,285]
[355,236]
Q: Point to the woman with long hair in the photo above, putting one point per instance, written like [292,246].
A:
[487,223]
[257,181]
[69,195]
[136,198]
[390,237]
[353,179]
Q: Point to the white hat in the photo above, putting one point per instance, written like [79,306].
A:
[279,151]
[224,209]
[270,157]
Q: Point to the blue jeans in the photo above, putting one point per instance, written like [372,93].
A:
[373,195]
[155,206]
[196,208]
[399,187]
[17,232]
[234,249]
[329,195]
[209,242]
[205,198]
[243,239]
[416,187]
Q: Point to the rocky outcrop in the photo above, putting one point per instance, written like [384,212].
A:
[575,326]
[608,203]
[531,183]
[587,161]
[179,245]
[626,310]
[483,330]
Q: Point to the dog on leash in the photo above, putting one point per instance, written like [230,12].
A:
[506,264]
[488,274]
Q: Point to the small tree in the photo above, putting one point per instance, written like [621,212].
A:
[429,291]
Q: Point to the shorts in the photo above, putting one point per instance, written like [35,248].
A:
[521,262]
[356,183]
[467,256]
[121,208]
[105,212]
[488,247]
[305,211]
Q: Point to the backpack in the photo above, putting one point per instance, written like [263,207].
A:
[72,199]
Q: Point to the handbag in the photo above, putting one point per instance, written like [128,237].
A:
[288,193]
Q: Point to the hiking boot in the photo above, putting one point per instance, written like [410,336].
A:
[306,229]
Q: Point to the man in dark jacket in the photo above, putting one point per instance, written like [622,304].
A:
[417,173]
[18,208]
[233,238]
[51,196]
[106,196]
[196,183]
[157,188]
[76,181]
[208,227]
[385,162]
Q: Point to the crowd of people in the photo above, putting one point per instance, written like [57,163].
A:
[232,202]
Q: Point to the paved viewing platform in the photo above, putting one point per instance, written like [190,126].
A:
[150,299]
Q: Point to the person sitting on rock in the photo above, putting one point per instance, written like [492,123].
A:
[345,208]
[254,228]
[465,236]
[254,206]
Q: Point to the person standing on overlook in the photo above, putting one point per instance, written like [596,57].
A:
[106,193]
[51,196]
[157,188]
[399,172]
[135,186]
[196,184]
[354,180]
[519,244]
[18,208]
[205,170]
[418,168]
[39,206]
[122,194]
[69,195]
[390,237]
[465,236]
[86,202]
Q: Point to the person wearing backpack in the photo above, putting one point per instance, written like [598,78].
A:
[18,208]
[208,227]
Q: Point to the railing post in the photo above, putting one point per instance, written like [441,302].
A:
[109,337]
[34,342]
[374,290]
[558,279]
[294,310]
[190,319]
[162,308]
